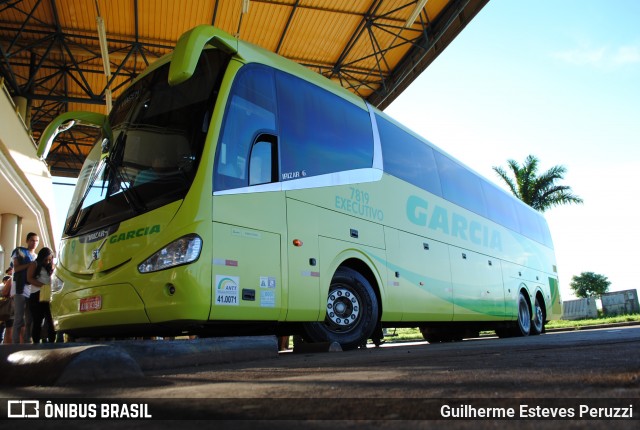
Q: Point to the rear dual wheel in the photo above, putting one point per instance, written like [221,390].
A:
[523,325]
[526,324]
[537,325]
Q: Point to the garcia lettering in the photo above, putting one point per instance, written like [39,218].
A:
[132,234]
[452,224]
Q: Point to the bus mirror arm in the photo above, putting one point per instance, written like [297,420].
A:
[64,122]
[187,51]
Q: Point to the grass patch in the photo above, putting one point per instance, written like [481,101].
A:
[594,321]
[413,334]
[402,334]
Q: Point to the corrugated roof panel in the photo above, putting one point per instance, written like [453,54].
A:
[119,18]
[317,36]
[330,36]
[387,34]
[19,11]
[228,16]
[341,6]
[21,73]
[42,15]
[434,7]
[392,48]
[264,24]
[78,14]
[166,20]
[86,107]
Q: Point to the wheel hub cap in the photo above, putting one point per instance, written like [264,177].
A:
[342,307]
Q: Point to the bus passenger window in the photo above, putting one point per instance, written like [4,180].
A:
[260,163]
[320,132]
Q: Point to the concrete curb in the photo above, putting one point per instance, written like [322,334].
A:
[173,354]
[68,364]
[64,365]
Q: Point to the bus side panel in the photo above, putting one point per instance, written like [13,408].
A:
[351,229]
[478,290]
[335,252]
[343,237]
[534,279]
[247,248]
[517,278]
[554,305]
[419,276]
[304,301]
[246,276]
[512,285]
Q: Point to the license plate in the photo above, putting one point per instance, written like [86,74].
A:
[88,304]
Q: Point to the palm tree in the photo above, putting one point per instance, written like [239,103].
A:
[539,192]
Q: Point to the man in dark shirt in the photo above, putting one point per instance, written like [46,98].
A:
[21,257]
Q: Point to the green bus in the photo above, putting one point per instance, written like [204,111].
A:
[232,191]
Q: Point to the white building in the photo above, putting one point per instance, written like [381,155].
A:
[26,188]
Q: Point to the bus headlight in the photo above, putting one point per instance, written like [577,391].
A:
[56,284]
[181,251]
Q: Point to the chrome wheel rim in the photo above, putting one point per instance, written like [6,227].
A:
[538,319]
[343,308]
[523,315]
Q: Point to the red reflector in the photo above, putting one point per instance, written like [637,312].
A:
[297,242]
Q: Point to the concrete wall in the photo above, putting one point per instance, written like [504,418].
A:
[579,309]
[620,302]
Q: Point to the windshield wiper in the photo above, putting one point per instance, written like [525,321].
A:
[74,221]
[130,194]
[118,180]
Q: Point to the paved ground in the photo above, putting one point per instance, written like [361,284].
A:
[409,382]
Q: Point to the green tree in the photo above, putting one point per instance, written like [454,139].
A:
[539,192]
[589,284]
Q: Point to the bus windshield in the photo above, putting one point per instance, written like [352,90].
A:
[152,157]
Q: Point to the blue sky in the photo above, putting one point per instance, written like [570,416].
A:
[560,80]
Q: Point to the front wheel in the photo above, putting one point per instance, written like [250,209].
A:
[351,311]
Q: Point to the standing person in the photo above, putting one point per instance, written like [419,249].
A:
[21,258]
[38,274]
[6,295]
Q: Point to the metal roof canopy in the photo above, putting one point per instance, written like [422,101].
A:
[50,51]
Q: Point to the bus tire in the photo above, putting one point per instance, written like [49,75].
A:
[537,324]
[351,311]
[504,333]
[523,324]
[431,335]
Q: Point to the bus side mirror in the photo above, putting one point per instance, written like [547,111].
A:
[64,122]
[189,47]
